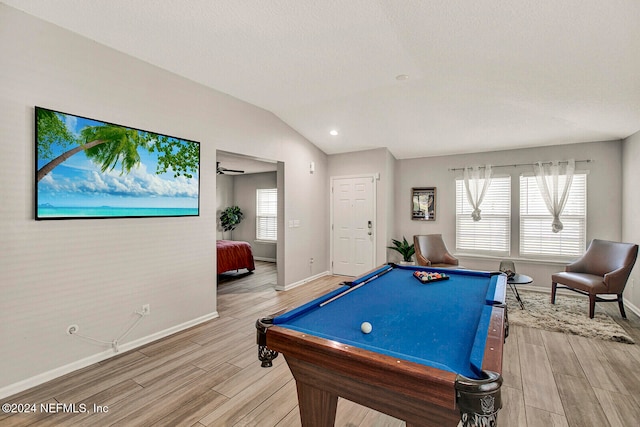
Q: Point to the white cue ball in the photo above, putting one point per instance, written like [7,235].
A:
[366,327]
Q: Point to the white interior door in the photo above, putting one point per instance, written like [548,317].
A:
[353,225]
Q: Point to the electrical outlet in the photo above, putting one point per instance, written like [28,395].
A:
[146,310]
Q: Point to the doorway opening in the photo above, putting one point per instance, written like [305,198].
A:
[243,181]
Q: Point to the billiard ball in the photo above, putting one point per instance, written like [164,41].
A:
[366,327]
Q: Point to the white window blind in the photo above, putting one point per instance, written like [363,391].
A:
[267,214]
[492,234]
[536,237]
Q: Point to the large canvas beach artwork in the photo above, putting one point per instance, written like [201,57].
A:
[87,168]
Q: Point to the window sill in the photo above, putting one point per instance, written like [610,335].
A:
[273,242]
[555,261]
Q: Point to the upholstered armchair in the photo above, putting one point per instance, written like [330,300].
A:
[432,251]
[603,269]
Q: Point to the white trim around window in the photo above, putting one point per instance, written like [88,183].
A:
[491,236]
[537,240]
[267,214]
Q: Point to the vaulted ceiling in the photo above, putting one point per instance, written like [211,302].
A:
[419,77]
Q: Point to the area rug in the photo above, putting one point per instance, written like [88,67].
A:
[569,315]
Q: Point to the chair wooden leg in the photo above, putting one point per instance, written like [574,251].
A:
[553,292]
[621,305]
[592,305]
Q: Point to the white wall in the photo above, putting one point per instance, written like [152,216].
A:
[631,210]
[245,187]
[604,198]
[97,272]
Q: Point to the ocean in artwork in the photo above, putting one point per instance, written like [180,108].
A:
[107,212]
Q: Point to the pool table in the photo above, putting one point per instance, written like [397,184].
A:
[432,358]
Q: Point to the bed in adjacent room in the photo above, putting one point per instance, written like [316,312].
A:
[234,255]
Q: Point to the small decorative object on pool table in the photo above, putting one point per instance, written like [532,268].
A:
[424,362]
[428,277]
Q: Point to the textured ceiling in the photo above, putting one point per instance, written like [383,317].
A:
[483,75]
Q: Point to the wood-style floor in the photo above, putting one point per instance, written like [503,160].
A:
[209,375]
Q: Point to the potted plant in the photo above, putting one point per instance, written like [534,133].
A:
[230,218]
[404,248]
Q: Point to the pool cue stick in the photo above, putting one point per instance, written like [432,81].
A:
[356,286]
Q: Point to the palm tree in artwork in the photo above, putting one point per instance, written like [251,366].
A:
[108,145]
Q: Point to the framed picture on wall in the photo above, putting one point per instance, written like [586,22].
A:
[88,168]
[423,204]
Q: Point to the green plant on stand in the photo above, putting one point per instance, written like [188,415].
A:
[404,248]
[230,218]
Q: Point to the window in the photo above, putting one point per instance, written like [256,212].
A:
[536,237]
[267,214]
[492,234]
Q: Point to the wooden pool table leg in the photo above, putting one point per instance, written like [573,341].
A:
[317,407]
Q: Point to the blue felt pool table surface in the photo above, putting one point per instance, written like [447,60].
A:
[442,324]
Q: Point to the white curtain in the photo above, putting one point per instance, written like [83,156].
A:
[547,177]
[476,184]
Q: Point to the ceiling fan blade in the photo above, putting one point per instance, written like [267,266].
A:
[221,170]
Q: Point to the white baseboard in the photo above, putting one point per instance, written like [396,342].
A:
[260,258]
[301,282]
[82,363]
[632,307]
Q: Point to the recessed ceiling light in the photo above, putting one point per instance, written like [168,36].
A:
[333,132]
[402,77]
